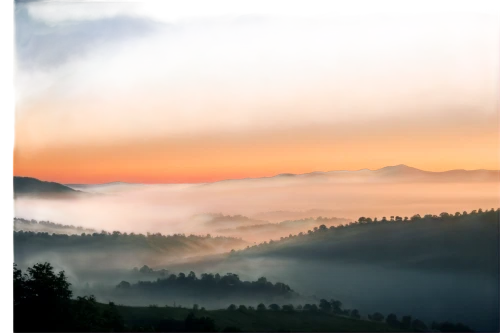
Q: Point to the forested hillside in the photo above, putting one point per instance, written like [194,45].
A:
[466,242]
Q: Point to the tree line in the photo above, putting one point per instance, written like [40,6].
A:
[29,241]
[48,224]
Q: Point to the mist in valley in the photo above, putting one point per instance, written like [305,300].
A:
[430,296]
[193,208]
[293,230]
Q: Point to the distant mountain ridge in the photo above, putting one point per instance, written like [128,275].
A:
[399,172]
[396,173]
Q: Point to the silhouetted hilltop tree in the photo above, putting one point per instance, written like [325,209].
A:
[42,303]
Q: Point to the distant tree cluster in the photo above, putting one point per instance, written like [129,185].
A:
[207,285]
[146,270]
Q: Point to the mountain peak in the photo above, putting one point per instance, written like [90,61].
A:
[398,169]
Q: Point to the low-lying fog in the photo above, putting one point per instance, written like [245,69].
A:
[197,208]
[180,208]
[429,296]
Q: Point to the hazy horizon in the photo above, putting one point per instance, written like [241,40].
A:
[268,176]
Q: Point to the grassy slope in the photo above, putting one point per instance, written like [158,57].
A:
[256,321]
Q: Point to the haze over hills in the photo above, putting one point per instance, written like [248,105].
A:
[111,187]
[398,173]
[88,251]
[116,187]
[281,215]
[266,231]
[225,221]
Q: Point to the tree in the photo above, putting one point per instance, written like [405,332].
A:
[377,316]
[406,322]
[450,327]
[419,326]
[261,307]
[325,305]
[392,320]
[355,314]
[232,307]
[145,269]
[336,306]
[203,324]
[416,217]
[191,276]
[123,285]
[274,307]
[287,307]
[42,302]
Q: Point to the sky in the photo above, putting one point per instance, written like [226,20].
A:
[195,91]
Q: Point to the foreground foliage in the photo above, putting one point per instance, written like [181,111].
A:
[43,303]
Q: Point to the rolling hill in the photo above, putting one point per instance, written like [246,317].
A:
[116,250]
[460,243]
[36,187]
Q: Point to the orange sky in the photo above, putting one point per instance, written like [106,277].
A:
[189,98]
